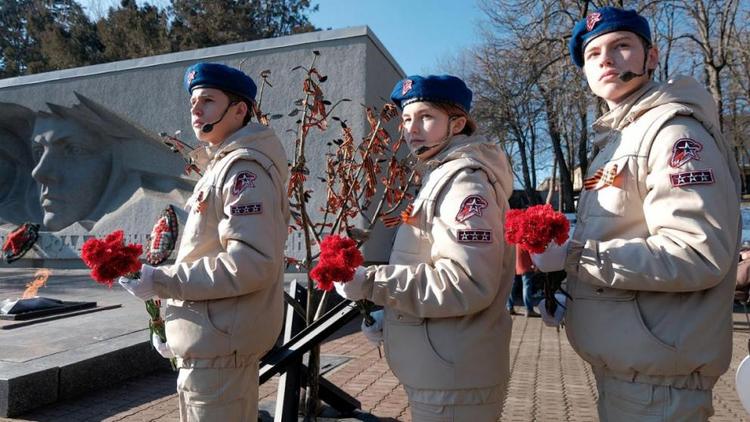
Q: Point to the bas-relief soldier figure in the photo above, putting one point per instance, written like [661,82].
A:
[95,170]
[18,192]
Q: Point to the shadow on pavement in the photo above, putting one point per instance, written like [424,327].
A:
[129,396]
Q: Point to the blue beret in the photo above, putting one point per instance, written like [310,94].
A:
[219,76]
[604,20]
[432,88]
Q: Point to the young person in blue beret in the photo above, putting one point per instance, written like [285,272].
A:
[651,265]
[224,291]
[445,327]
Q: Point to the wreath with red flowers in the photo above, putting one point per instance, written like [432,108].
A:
[20,241]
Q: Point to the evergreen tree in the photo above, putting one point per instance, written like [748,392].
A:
[200,23]
[43,35]
[15,44]
[131,31]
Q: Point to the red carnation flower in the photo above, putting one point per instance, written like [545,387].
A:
[111,258]
[339,259]
[534,228]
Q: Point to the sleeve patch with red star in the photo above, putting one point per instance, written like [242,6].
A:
[472,205]
[247,209]
[474,236]
[243,180]
[695,177]
[684,150]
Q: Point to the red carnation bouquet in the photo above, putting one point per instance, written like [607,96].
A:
[339,259]
[534,228]
[111,258]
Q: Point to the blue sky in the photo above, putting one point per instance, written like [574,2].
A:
[420,34]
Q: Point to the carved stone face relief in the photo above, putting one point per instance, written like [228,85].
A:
[18,197]
[7,169]
[73,168]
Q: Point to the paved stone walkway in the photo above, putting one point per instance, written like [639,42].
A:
[549,382]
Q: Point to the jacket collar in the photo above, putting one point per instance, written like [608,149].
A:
[206,154]
[453,148]
[626,112]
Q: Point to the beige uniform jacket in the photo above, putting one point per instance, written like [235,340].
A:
[653,262]
[446,328]
[226,286]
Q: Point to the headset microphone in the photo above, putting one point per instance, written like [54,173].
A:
[208,127]
[628,75]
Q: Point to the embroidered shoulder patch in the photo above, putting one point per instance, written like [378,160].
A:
[696,177]
[242,181]
[474,236]
[247,209]
[472,205]
[683,151]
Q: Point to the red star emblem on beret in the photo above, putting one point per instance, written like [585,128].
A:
[191,76]
[406,87]
[592,19]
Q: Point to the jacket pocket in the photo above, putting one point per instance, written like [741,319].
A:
[606,328]
[191,333]
[607,189]
[199,209]
[411,355]
[221,314]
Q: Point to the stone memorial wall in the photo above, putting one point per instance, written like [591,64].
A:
[80,152]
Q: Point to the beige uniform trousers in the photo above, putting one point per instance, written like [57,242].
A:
[632,401]
[218,394]
[423,412]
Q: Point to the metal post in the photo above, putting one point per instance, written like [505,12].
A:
[287,395]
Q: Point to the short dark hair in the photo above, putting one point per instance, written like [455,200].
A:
[646,46]
[234,98]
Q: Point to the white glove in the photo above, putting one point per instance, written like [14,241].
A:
[374,333]
[142,288]
[553,320]
[161,346]
[552,259]
[356,289]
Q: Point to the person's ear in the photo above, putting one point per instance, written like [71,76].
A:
[241,109]
[457,124]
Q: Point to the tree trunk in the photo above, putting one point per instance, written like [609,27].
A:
[566,184]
